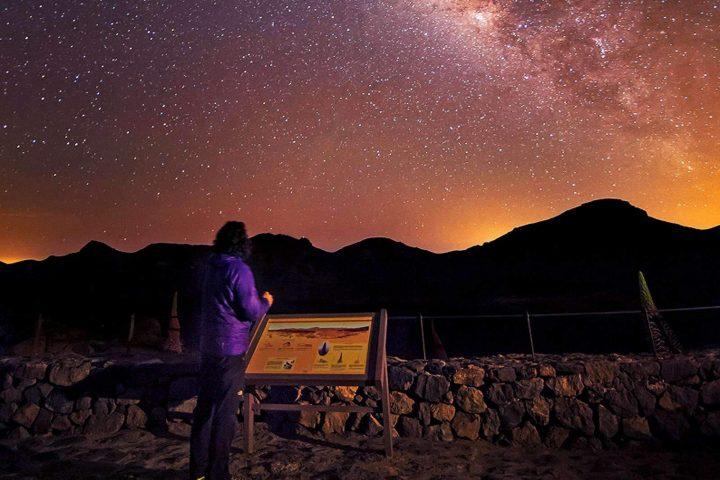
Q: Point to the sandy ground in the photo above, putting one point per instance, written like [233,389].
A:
[140,455]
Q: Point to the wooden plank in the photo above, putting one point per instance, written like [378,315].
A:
[385,394]
[248,422]
[314,408]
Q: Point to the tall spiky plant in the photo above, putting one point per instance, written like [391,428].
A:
[662,338]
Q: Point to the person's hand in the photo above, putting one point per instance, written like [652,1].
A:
[267,296]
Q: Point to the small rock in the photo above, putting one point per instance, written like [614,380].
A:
[400,378]
[636,428]
[69,371]
[472,376]
[607,423]
[546,371]
[711,393]
[400,404]
[525,435]
[442,432]
[529,388]
[470,399]
[567,386]
[410,427]
[431,387]
[346,394]
[539,410]
[442,412]
[371,426]
[677,368]
[83,403]
[574,414]
[500,393]
[101,425]
[335,422]
[32,370]
[136,417]
[43,421]
[490,424]
[61,423]
[556,437]
[104,406]
[511,414]
[670,425]
[26,415]
[59,403]
[186,406]
[466,425]
[80,416]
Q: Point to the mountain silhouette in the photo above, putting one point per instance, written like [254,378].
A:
[586,258]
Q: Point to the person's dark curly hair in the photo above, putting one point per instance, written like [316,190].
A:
[232,239]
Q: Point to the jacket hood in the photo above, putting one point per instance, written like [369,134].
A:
[222,259]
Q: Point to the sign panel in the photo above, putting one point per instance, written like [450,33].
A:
[312,345]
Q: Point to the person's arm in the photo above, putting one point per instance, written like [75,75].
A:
[248,303]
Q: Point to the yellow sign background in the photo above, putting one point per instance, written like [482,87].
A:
[312,345]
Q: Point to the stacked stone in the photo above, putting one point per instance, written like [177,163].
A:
[553,401]
[556,401]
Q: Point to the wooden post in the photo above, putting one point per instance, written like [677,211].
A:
[422,335]
[131,333]
[387,423]
[38,332]
[248,421]
[385,389]
[530,335]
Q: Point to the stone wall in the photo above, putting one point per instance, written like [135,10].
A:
[553,400]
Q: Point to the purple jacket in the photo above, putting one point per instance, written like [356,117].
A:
[230,306]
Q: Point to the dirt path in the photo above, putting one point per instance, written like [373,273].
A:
[141,455]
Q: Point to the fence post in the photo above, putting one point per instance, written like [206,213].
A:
[422,335]
[131,333]
[530,335]
[38,332]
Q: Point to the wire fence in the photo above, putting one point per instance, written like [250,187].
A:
[423,320]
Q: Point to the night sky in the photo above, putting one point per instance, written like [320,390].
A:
[440,123]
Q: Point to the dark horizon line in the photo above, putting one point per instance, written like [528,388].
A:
[591,202]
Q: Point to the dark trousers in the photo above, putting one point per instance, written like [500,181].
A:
[215,416]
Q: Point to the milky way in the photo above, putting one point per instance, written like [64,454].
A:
[439,123]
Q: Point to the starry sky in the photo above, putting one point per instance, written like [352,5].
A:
[439,123]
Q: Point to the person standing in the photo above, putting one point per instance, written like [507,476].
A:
[230,307]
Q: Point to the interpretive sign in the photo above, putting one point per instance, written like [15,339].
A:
[313,345]
[320,349]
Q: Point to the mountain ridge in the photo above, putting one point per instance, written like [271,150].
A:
[584,259]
